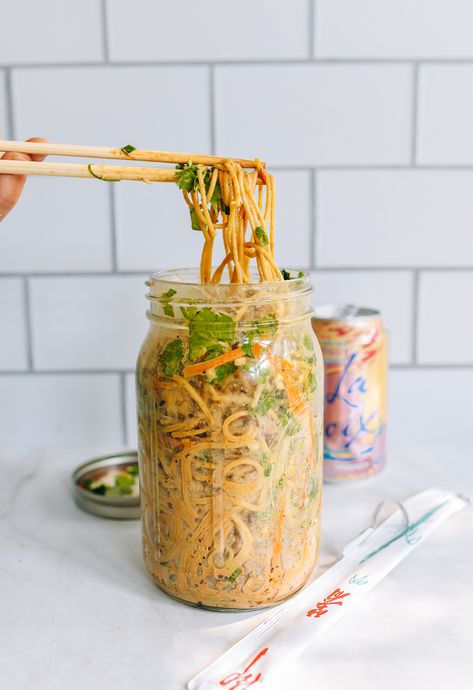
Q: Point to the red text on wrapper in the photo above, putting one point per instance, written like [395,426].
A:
[336,597]
[243,680]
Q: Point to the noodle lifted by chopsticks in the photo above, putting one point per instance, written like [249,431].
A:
[223,198]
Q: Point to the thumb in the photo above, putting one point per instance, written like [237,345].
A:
[11,186]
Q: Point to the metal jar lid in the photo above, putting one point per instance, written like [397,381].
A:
[345,312]
[118,507]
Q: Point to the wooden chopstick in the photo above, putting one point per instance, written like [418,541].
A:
[47,149]
[108,173]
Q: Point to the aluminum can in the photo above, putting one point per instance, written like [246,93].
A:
[354,346]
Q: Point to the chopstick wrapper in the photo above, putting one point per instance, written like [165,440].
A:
[290,628]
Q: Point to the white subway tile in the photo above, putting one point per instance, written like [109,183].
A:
[293,225]
[394,218]
[60,410]
[445,131]
[389,291]
[13,338]
[430,405]
[60,224]
[51,31]
[131,422]
[165,108]
[153,228]
[208,30]
[315,114]
[388,29]
[3,106]
[445,327]
[87,322]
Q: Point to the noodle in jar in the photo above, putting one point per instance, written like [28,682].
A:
[229,388]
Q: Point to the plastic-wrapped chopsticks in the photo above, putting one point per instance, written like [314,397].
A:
[290,628]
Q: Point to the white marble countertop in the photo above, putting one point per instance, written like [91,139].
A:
[79,612]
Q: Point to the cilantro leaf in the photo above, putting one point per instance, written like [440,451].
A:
[246,346]
[266,465]
[164,299]
[308,344]
[265,403]
[261,236]
[287,420]
[194,220]
[171,357]
[207,329]
[186,177]
[263,327]
[216,196]
[313,489]
[222,372]
[188,312]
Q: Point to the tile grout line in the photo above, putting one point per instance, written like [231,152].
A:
[313,220]
[312,14]
[28,324]
[145,272]
[431,367]
[124,372]
[66,372]
[360,61]
[415,317]
[10,123]
[105,42]
[212,111]
[123,410]
[414,113]
[113,231]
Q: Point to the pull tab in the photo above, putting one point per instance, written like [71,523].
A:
[345,311]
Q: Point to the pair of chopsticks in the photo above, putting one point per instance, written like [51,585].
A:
[112,173]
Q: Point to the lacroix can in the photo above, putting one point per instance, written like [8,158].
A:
[354,346]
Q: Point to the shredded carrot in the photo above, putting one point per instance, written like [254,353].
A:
[227,357]
[276,556]
[296,401]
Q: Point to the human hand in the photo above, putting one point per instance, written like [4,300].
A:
[11,186]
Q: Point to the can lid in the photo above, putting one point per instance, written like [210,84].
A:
[108,486]
[345,312]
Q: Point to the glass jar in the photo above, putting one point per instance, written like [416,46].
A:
[230,401]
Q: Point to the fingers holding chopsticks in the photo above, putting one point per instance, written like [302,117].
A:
[11,186]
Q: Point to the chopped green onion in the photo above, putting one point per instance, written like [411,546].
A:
[98,177]
[236,573]
[128,149]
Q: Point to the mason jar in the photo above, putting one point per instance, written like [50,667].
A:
[230,403]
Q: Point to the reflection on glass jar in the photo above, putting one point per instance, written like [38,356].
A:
[230,400]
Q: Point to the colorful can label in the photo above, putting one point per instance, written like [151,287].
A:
[354,347]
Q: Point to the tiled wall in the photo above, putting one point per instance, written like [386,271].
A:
[364,109]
